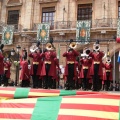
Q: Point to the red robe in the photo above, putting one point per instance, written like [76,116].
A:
[70,56]
[7,66]
[49,57]
[36,58]
[87,63]
[108,66]
[97,57]
[24,70]
[1,64]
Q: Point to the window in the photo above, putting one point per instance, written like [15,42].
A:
[119,9]
[48,15]
[13,17]
[84,12]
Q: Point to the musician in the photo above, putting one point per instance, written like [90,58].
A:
[7,65]
[84,74]
[96,67]
[70,68]
[35,68]
[107,76]
[1,63]
[48,68]
[24,75]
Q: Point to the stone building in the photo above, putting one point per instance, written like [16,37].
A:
[62,16]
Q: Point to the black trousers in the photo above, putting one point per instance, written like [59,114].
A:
[47,79]
[25,83]
[35,77]
[107,82]
[1,79]
[70,83]
[85,80]
[96,78]
[5,79]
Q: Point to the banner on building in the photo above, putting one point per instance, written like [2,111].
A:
[7,35]
[83,31]
[43,32]
[118,31]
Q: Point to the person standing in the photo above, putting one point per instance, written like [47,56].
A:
[7,65]
[96,68]
[1,63]
[70,68]
[107,75]
[48,68]
[85,70]
[35,69]
[24,75]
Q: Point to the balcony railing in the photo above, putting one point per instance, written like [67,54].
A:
[68,25]
[46,1]
[105,22]
[97,23]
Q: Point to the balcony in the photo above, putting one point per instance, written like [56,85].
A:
[47,1]
[104,23]
[71,25]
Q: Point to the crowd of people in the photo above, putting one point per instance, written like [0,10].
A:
[85,71]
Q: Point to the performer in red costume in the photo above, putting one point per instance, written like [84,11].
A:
[35,71]
[84,74]
[107,76]
[1,63]
[70,68]
[24,76]
[96,68]
[49,68]
[7,65]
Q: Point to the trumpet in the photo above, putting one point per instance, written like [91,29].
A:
[33,48]
[49,46]
[72,45]
[87,51]
[96,47]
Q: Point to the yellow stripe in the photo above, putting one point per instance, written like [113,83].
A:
[98,101]
[89,113]
[7,92]
[30,100]
[43,94]
[17,110]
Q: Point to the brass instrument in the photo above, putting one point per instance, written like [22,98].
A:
[87,51]
[33,48]
[49,46]
[96,47]
[73,45]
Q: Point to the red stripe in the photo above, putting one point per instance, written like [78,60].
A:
[44,91]
[95,96]
[7,95]
[90,107]
[85,92]
[17,105]
[8,88]
[15,116]
[70,117]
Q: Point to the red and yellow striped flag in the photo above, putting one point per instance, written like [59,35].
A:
[89,106]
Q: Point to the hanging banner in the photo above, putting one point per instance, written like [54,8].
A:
[43,32]
[118,31]
[83,31]
[7,35]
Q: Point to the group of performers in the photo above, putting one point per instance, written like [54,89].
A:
[44,70]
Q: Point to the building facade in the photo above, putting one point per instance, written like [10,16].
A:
[62,15]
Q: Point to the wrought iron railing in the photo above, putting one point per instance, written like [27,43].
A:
[97,23]
[105,22]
